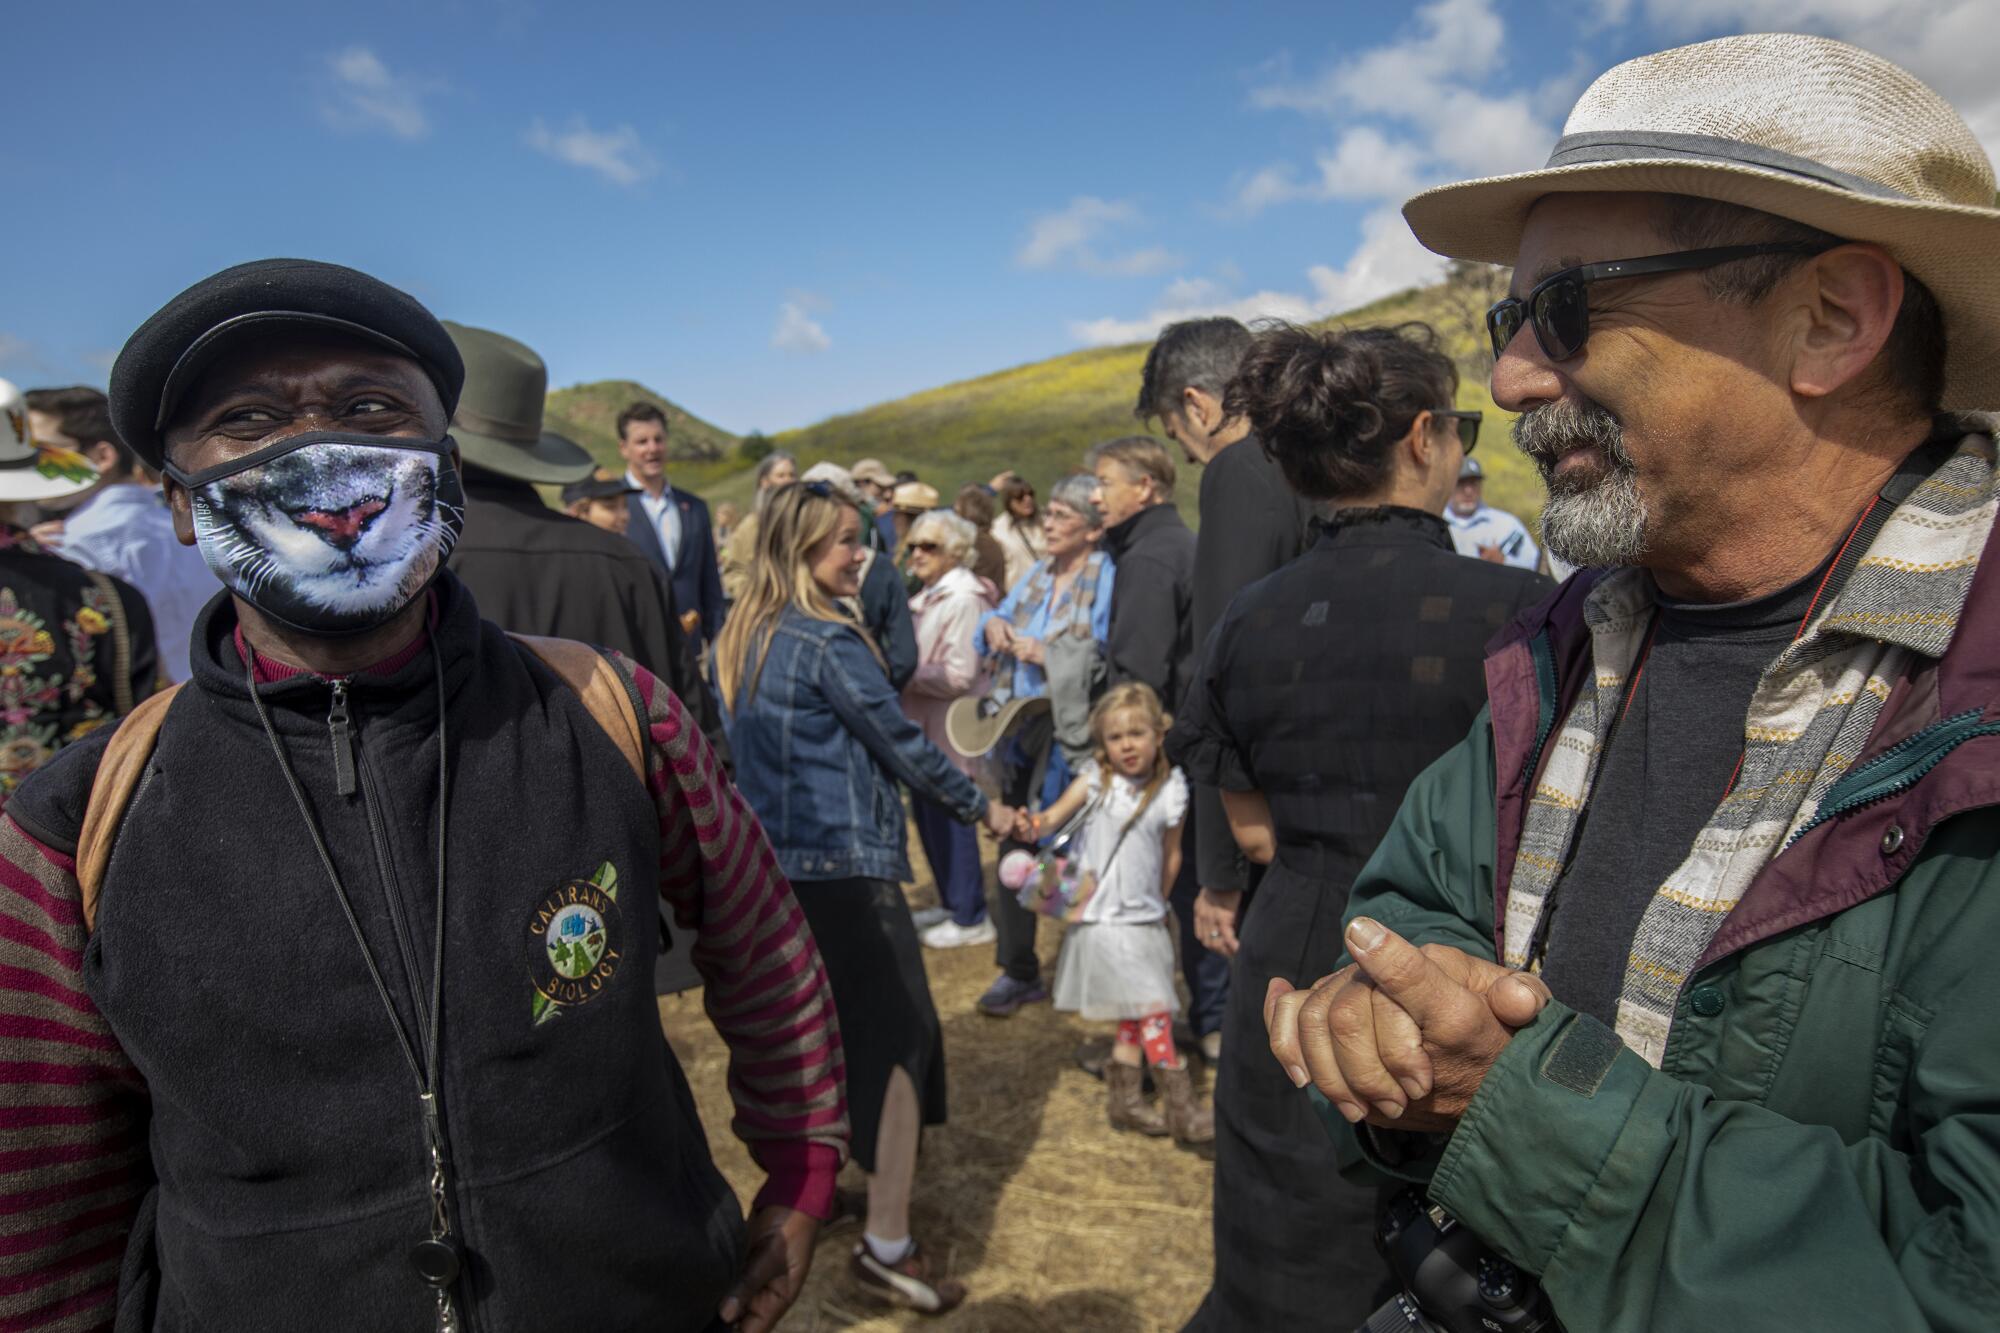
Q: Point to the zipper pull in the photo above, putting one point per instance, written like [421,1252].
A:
[337,720]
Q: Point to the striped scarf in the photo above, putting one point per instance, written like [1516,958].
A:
[1813,711]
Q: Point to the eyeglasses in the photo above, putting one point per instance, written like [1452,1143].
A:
[928,548]
[1559,308]
[1468,424]
[823,489]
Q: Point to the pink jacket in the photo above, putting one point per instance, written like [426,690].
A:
[948,667]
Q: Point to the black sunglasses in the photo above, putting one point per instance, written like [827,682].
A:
[928,548]
[1559,308]
[823,489]
[1468,424]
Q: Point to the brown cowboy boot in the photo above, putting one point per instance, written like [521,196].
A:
[1190,1121]
[1126,1104]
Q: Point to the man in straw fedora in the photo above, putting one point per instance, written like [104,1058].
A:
[1675,981]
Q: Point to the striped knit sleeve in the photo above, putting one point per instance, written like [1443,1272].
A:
[765,988]
[73,1111]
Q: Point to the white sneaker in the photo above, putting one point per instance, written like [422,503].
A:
[926,917]
[951,935]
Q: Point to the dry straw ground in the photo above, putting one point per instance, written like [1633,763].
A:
[1053,1220]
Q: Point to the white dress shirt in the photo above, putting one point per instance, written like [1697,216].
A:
[125,530]
[665,516]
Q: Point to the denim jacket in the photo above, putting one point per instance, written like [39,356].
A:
[820,746]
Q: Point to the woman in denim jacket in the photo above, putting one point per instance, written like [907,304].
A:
[821,740]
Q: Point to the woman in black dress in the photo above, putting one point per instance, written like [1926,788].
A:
[1326,688]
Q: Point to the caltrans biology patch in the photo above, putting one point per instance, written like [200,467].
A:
[576,938]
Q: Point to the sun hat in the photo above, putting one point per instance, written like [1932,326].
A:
[1470,470]
[836,476]
[1805,128]
[167,354]
[601,484]
[33,471]
[974,724]
[498,424]
[914,497]
[871,469]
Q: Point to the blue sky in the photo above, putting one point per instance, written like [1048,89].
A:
[775,215]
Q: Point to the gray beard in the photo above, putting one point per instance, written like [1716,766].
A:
[1598,522]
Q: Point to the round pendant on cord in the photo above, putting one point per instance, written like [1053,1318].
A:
[436,1261]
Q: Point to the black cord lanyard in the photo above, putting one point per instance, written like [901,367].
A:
[435,1259]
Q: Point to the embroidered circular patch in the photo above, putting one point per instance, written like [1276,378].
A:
[576,942]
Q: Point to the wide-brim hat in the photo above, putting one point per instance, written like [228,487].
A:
[914,497]
[498,424]
[1806,128]
[31,469]
[975,724]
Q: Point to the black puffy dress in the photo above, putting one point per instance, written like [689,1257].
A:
[1328,686]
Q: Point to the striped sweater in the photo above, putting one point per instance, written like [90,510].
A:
[73,1111]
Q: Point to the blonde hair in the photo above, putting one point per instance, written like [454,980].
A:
[797,519]
[1134,696]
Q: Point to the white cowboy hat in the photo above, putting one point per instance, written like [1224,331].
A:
[32,471]
[1809,129]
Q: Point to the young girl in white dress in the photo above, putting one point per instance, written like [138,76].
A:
[1117,961]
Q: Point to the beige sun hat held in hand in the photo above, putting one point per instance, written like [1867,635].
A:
[1806,128]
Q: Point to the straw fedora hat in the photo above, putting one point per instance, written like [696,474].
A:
[1806,128]
[30,469]
[498,424]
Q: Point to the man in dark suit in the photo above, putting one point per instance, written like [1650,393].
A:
[672,527]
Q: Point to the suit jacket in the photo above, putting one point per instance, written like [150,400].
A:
[696,576]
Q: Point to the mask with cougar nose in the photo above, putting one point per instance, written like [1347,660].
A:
[329,532]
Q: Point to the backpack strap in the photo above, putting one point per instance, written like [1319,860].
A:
[118,773]
[603,688]
[613,704]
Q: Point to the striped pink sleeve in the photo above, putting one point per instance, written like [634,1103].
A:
[73,1110]
[765,988]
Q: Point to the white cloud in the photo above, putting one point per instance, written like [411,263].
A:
[1387,260]
[797,331]
[1428,84]
[1069,238]
[364,94]
[616,154]
[1364,164]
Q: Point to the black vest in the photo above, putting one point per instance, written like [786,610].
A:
[285,1124]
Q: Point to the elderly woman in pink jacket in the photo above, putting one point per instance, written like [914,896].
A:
[946,610]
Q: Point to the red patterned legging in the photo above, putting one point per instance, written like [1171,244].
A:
[1153,1034]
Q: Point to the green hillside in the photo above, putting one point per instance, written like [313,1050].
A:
[588,413]
[1037,419]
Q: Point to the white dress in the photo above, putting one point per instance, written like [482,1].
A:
[1118,960]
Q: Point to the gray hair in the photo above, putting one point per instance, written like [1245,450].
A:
[769,462]
[955,534]
[1077,492]
[1193,354]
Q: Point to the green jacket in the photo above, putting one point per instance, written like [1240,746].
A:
[1820,1149]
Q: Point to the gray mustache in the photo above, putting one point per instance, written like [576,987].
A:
[1548,432]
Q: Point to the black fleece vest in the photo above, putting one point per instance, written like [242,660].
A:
[285,1129]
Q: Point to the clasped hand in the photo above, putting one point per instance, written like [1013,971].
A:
[1404,1036]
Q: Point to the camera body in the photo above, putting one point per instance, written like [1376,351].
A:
[1452,1281]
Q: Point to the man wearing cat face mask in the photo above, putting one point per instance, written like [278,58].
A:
[365,1036]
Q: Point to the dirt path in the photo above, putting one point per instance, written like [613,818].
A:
[1052,1219]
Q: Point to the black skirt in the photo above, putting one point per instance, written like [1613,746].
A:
[1294,1242]
[882,995]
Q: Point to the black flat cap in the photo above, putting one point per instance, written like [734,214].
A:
[170,350]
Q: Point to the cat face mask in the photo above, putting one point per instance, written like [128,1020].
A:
[329,532]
